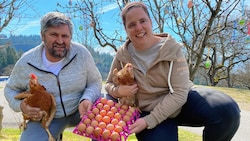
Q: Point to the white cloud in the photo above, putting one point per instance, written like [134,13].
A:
[23,28]
[108,8]
[30,24]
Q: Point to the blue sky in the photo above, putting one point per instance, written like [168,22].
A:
[38,8]
[31,24]
[28,26]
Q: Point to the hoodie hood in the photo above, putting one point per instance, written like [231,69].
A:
[168,51]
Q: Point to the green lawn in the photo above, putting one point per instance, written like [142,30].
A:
[240,95]
[14,134]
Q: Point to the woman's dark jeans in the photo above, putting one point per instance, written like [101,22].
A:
[216,111]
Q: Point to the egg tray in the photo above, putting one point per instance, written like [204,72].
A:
[124,110]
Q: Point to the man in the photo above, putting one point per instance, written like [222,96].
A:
[66,69]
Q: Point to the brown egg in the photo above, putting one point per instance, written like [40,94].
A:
[110,103]
[102,125]
[81,127]
[122,123]
[132,109]
[86,121]
[110,127]
[114,136]
[103,100]
[118,128]
[125,107]
[114,121]
[106,134]
[113,109]
[103,112]
[98,117]
[99,105]
[91,115]
[89,130]
[95,110]
[118,116]
[129,113]
[117,105]
[126,118]
[122,111]
[97,132]
[110,114]
[106,107]
[106,119]
[94,123]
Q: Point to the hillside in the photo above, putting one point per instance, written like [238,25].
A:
[23,43]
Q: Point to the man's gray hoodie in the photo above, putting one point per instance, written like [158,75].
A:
[78,79]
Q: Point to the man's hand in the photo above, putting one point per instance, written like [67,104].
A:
[84,107]
[139,125]
[31,112]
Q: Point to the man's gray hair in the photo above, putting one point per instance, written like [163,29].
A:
[53,19]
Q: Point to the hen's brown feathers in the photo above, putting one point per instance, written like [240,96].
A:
[125,76]
[40,98]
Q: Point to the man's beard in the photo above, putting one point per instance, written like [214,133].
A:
[57,54]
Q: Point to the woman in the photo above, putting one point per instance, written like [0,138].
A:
[166,96]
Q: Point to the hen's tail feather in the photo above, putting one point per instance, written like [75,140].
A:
[52,110]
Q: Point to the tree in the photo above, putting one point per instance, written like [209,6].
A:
[8,57]
[199,25]
[11,10]
[226,50]
[242,76]
[7,12]
[204,29]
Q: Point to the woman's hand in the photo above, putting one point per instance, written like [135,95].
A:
[139,125]
[84,107]
[31,112]
[127,90]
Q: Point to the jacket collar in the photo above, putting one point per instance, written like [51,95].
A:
[167,52]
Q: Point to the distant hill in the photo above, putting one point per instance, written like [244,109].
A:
[23,43]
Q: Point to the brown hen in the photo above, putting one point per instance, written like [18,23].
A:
[40,98]
[125,76]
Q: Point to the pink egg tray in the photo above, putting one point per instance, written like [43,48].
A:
[107,121]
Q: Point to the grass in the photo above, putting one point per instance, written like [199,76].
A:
[11,134]
[240,95]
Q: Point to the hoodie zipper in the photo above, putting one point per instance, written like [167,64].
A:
[60,93]
[59,86]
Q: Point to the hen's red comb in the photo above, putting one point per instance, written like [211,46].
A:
[33,76]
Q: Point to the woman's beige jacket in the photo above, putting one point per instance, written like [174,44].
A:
[163,90]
